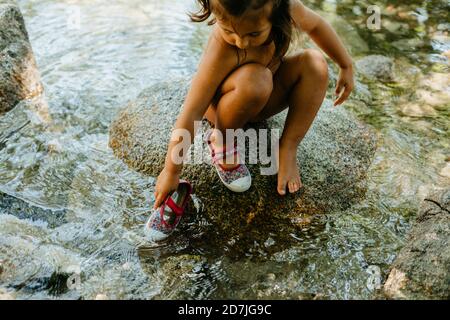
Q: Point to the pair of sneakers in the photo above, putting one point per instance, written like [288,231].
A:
[164,219]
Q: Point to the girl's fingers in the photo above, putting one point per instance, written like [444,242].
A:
[159,200]
[339,88]
[157,203]
[343,96]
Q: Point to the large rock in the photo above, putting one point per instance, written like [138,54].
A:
[376,67]
[422,268]
[334,158]
[19,76]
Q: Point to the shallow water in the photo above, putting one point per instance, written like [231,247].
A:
[70,208]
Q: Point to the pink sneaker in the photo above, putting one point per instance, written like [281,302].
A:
[165,219]
[237,179]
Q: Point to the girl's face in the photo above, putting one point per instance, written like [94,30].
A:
[250,30]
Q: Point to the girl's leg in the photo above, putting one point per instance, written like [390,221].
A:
[300,83]
[244,93]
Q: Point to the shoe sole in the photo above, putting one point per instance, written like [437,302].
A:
[237,189]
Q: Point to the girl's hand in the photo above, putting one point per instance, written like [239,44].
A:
[344,85]
[166,183]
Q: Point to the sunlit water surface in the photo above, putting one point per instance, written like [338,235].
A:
[69,207]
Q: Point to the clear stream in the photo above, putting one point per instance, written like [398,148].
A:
[69,208]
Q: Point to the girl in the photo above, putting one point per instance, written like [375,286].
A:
[244,76]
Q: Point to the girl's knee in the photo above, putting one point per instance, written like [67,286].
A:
[254,82]
[314,61]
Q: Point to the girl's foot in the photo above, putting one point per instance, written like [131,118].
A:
[234,175]
[230,160]
[288,173]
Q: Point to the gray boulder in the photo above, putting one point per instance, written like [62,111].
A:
[333,157]
[376,67]
[422,268]
[23,210]
[19,76]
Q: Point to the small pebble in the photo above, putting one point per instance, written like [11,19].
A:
[445,172]
[418,111]
[101,296]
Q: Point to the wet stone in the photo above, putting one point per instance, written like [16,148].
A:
[376,67]
[19,76]
[333,159]
[24,210]
[445,172]
[421,270]
[418,111]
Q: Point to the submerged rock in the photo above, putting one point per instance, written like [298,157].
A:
[418,111]
[24,210]
[445,171]
[191,278]
[19,76]
[422,269]
[376,67]
[333,157]
[31,262]
[6,295]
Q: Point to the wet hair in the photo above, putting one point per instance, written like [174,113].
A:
[280,17]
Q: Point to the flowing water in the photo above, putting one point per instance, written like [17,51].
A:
[71,214]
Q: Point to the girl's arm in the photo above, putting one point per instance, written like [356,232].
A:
[217,62]
[326,38]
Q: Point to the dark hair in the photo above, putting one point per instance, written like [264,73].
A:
[280,18]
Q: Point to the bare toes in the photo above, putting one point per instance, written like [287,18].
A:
[282,188]
[290,187]
[294,187]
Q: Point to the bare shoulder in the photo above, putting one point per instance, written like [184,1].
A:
[218,55]
[304,18]
[216,63]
